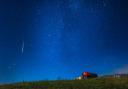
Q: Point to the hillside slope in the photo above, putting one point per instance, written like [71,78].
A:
[98,83]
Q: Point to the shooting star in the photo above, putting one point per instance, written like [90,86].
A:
[22,47]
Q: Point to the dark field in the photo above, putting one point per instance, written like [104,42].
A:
[98,83]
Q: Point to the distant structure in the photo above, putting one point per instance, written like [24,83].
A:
[86,75]
[116,76]
[120,75]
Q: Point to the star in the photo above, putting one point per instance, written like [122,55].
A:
[14,64]
[104,4]
[9,67]
[49,35]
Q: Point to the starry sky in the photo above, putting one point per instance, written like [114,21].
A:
[59,39]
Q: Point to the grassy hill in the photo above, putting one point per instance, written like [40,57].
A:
[97,83]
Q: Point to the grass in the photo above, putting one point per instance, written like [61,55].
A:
[97,83]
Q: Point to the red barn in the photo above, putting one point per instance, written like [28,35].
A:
[86,75]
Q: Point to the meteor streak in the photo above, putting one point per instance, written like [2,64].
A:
[22,47]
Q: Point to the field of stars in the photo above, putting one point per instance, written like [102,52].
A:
[59,39]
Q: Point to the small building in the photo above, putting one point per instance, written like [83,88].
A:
[116,76]
[120,75]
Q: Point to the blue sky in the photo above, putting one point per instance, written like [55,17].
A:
[62,38]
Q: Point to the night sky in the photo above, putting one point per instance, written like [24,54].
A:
[59,39]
